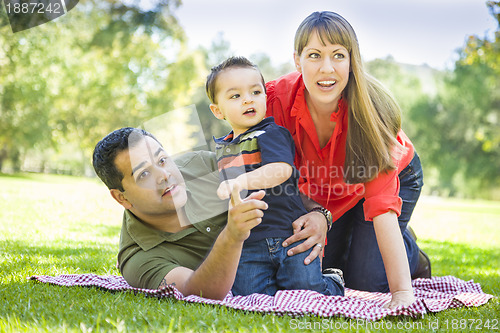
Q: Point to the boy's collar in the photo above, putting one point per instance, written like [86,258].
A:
[230,137]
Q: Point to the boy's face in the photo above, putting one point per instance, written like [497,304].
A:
[153,184]
[240,97]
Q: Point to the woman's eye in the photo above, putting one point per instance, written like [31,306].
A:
[314,55]
[339,56]
[234,96]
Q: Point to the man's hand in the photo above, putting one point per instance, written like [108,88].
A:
[215,276]
[244,214]
[398,298]
[312,227]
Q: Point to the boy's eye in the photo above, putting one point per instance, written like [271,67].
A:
[234,96]
[257,92]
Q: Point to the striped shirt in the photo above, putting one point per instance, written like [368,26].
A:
[262,144]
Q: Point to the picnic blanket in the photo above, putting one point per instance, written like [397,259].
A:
[433,295]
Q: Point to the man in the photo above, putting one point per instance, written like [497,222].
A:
[170,223]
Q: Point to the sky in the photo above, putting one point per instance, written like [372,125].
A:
[412,31]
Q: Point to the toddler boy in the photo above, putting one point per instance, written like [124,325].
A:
[258,154]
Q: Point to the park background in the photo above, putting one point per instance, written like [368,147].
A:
[108,64]
[113,63]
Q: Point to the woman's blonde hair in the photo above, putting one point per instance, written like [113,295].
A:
[374,116]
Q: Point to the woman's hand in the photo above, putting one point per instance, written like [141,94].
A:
[398,298]
[312,227]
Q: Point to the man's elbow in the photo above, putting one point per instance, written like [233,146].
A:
[192,287]
[211,293]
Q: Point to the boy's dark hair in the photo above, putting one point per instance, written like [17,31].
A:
[232,62]
[108,148]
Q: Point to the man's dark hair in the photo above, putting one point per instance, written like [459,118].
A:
[108,148]
[232,62]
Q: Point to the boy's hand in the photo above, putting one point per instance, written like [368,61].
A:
[227,187]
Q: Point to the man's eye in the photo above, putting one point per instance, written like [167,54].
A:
[234,96]
[143,175]
[162,161]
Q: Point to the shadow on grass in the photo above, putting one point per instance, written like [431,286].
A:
[106,231]
[24,176]
[465,262]
[29,304]
[47,178]
[56,258]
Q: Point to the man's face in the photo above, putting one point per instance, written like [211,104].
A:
[153,185]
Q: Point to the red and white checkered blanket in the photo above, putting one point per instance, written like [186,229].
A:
[433,295]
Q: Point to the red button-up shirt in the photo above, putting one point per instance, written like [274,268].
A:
[322,169]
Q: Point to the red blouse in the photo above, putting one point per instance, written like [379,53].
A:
[322,169]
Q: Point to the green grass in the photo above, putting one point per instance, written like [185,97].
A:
[53,225]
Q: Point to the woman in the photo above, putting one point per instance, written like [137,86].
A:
[354,160]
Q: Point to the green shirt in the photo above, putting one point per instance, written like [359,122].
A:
[147,255]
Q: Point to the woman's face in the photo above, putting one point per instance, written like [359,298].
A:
[325,71]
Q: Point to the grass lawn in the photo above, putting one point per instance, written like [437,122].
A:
[52,225]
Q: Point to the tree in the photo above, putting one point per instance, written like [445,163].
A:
[69,82]
[463,122]
[404,85]
[26,64]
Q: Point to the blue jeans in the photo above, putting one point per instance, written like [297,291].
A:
[265,268]
[352,244]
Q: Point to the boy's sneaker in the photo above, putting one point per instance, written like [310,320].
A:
[335,274]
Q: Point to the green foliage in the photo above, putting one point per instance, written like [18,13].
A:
[55,225]
[464,122]
[404,85]
[269,70]
[114,63]
[71,81]
[453,117]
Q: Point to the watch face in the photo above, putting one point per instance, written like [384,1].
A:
[329,216]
